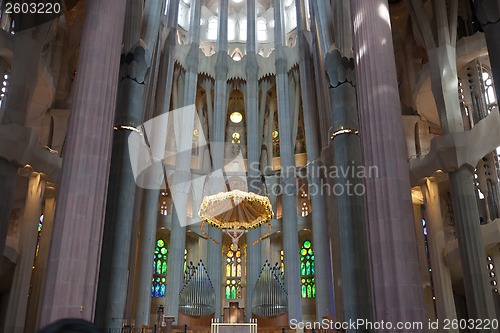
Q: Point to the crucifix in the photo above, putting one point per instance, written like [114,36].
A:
[235,235]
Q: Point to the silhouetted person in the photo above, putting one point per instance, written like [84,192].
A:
[70,325]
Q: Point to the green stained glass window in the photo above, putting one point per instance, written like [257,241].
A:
[158,282]
[308,287]
[164,268]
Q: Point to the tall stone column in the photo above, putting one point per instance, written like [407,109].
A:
[131,286]
[441,278]
[350,221]
[322,21]
[114,271]
[148,224]
[145,254]
[20,289]
[488,13]
[220,89]
[396,281]
[202,249]
[38,280]
[175,268]
[321,42]
[253,259]
[214,264]
[182,175]
[323,265]
[73,263]
[265,250]
[287,179]
[470,244]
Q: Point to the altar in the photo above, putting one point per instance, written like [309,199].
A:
[234,327]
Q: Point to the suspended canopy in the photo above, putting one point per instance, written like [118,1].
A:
[236,210]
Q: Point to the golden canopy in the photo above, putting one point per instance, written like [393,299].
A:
[236,210]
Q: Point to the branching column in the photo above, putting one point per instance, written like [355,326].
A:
[114,271]
[182,175]
[323,269]
[38,280]
[470,244]
[73,263]
[350,219]
[287,179]
[254,151]
[214,264]
[321,42]
[397,289]
[441,278]
[148,223]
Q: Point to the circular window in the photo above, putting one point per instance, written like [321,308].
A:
[236,118]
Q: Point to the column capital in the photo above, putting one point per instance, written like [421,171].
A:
[50,190]
[339,69]
[134,63]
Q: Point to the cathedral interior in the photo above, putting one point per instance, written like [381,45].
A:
[182,164]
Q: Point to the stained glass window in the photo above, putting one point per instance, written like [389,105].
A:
[282,260]
[40,224]
[233,272]
[158,285]
[307,284]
